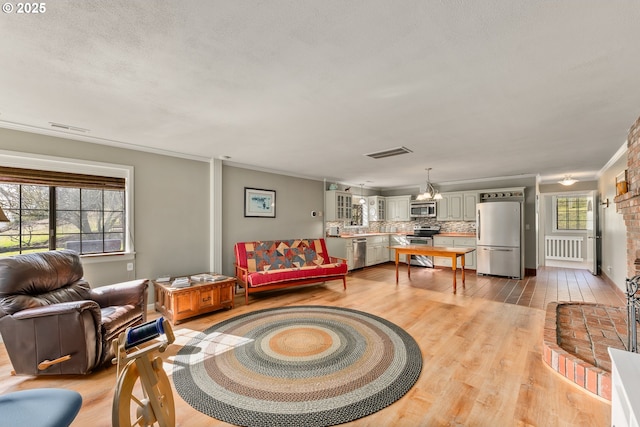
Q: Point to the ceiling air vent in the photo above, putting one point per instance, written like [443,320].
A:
[389,153]
[67,127]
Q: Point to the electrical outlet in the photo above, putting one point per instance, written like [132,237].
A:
[129,266]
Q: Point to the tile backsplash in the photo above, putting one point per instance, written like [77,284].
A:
[404,226]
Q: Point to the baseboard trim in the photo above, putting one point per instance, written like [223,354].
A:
[615,287]
[530,271]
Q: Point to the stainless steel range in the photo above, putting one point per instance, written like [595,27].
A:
[422,235]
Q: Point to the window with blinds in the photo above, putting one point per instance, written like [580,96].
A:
[50,210]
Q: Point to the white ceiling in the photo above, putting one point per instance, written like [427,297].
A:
[475,89]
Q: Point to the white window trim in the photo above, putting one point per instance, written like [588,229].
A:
[554,213]
[62,164]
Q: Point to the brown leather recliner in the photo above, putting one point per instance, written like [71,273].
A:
[49,313]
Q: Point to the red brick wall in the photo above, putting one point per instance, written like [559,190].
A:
[629,203]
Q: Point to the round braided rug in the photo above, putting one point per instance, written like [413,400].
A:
[302,365]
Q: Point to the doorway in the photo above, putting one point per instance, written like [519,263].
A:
[568,230]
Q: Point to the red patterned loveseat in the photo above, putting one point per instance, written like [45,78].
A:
[275,264]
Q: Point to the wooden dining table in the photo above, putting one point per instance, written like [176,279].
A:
[441,251]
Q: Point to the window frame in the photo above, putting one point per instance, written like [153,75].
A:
[554,218]
[61,164]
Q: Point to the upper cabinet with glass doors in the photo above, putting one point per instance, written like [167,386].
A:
[376,206]
[338,205]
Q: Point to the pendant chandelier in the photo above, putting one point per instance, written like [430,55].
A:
[362,199]
[430,193]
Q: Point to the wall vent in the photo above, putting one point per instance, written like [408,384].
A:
[389,153]
[67,127]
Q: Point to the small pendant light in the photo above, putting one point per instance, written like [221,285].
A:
[430,192]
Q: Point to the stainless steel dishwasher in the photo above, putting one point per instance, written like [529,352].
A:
[359,252]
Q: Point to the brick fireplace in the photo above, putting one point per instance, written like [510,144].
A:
[629,203]
[577,335]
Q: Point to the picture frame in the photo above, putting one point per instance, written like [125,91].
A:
[259,203]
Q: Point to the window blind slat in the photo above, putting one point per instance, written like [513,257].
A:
[59,179]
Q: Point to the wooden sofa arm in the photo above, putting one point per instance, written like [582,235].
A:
[337,260]
[241,273]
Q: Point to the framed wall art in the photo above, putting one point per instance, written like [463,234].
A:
[259,203]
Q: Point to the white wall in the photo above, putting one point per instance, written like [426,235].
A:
[612,228]
[171,206]
[295,199]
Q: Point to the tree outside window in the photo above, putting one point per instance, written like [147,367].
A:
[43,218]
[27,207]
[571,213]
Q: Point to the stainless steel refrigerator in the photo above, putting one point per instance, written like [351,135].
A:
[499,239]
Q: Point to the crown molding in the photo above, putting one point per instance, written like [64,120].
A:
[59,133]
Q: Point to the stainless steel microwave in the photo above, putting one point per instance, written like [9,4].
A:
[423,209]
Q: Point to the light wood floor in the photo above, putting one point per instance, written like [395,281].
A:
[482,358]
[550,284]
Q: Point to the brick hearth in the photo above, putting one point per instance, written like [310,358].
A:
[576,338]
[577,335]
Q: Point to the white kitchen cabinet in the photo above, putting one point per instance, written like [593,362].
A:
[470,199]
[398,208]
[370,260]
[338,205]
[442,209]
[397,240]
[377,252]
[456,242]
[377,208]
[470,258]
[449,208]
[349,250]
[382,253]
[458,206]
[442,241]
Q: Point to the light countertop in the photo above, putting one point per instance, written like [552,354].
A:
[350,236]
[399,233]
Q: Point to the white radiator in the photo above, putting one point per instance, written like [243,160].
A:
[565,248]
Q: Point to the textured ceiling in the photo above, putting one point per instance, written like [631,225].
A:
[475,89]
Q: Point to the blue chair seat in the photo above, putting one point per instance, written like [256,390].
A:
[42,407]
